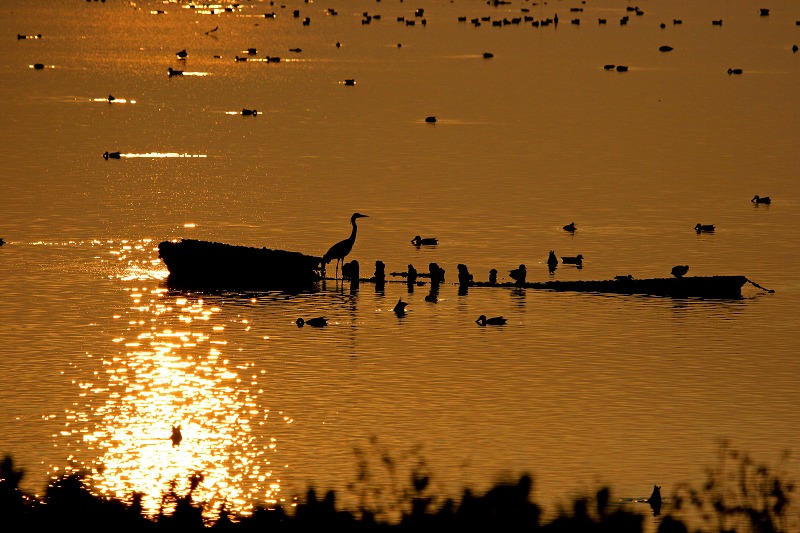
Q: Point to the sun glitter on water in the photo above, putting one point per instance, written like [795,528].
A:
[166,369]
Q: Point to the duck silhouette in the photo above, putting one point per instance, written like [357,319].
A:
[400,307]
[427,241]
[761,200]
[317,322]
[518,275]
[552,261]
[680,270]
[249,112]
[176,436]
[577,260]
[704,228]
[655,500]
[494,321]
[111,155]
[570,227]
[172,72]
[182,54]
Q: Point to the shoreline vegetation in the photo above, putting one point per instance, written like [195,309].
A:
[739,495]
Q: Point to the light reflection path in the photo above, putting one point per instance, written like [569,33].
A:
[170,369]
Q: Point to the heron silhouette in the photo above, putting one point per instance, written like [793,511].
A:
[341,249]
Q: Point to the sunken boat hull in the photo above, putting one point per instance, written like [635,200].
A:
[217,266]
[724,287]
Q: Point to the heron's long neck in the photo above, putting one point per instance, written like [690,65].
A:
[353,233]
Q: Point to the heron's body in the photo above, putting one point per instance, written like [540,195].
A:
[341,249]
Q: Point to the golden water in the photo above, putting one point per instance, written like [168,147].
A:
[98,359]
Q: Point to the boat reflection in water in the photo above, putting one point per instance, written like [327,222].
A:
[170,370]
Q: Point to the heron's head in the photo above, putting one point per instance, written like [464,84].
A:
[358,215]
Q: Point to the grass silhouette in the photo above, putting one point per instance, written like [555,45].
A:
[739,495]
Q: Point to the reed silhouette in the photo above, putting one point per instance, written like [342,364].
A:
[739,495]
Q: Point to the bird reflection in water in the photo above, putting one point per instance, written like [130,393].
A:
[175,373]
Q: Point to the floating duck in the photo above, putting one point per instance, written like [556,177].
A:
[552,261]
[176,436]
[680,270]
[428,241]
[111,155]
[400,307]
[38,66]
[317,322]
[665,48]
[655,500]
[172,72]
[518,274]
[494,321]
[761,200]
[2,242]
[488,55]
[570,227]
[182,54]
[700,228]
[249,112]
[734,71]
[577,260]
[350,82]
[111,98]
[430,120]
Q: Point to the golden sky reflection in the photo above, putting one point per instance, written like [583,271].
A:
[167,366]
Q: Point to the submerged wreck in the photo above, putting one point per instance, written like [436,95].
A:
[216,266]
[724,287]
[207,265]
